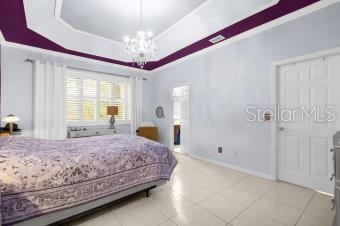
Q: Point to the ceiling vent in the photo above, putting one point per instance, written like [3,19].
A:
[217,39]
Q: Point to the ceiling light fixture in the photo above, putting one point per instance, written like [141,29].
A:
[142,48]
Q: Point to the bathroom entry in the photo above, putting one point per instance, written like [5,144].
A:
[180,125]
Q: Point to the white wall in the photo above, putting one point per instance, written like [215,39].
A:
[17,82]
[224,82]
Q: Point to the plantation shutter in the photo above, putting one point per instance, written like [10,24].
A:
[88,96]
[119,96]
[89,99]
[73,96]
[122,99]
[106,98]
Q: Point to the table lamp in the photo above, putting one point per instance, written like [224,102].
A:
[112,110]
[10,119]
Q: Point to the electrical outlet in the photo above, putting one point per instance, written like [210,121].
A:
[220,150]
[235,153]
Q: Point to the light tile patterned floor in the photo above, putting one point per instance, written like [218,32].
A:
[204,194]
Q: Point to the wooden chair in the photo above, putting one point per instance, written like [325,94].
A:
[148,132]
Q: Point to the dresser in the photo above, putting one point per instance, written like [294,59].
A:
[89,132]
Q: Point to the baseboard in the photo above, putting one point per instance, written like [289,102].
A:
[241,169]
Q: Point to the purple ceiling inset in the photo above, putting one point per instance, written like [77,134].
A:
[14,29]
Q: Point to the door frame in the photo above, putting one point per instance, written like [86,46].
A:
[171,113]
[275,99]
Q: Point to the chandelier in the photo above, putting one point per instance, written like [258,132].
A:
[142,48]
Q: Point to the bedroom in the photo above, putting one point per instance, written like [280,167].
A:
[245,91]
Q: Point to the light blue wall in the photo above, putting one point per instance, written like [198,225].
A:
[224,82]
[17,82]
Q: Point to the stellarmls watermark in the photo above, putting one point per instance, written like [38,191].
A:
[278,114]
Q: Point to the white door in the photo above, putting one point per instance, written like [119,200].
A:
[304,156]
[185,121]
[181,94]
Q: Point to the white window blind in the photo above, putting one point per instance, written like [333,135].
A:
[89,94]
[89,100]
[106,98]
[73,96]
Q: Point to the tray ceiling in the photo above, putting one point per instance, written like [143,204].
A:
[114,19]
[39,23]
[45,18]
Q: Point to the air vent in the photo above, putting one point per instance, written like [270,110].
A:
[217,39]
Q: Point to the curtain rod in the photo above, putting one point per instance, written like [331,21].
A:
[77,68]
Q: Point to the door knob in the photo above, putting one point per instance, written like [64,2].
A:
[281,128]
[332,177]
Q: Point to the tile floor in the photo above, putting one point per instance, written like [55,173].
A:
[204,194]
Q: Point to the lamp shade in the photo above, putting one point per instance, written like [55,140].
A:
[10,118]
[112,110]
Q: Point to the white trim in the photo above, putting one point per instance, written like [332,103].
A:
[57,8]
[171,115]
[309,56]
[282,20]
[241,169]
[27,9]
[2,39]
[274,97]
[273,126]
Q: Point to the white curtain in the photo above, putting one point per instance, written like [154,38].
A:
[136,89]
[49,120]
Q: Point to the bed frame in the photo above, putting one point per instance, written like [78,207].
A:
[80,210]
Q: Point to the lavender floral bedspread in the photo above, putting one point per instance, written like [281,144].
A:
[41,176]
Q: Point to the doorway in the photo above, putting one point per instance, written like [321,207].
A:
[308,86]
[180,119]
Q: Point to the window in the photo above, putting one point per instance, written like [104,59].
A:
[89,105]
[89,94]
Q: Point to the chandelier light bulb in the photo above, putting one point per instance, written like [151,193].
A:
[126,39]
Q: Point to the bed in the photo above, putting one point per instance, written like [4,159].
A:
[45,181]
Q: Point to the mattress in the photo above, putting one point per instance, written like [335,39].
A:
[41,176]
